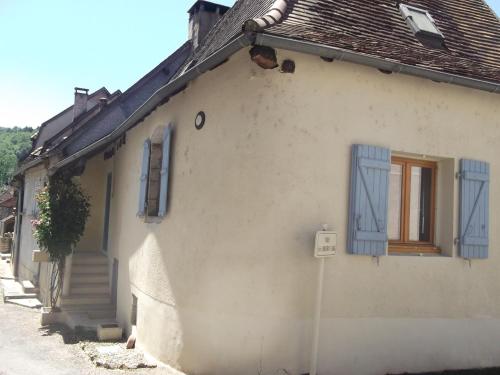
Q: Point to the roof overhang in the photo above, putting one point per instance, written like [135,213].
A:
[273,41]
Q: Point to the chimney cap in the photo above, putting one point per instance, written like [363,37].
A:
[210,6]
[80,90]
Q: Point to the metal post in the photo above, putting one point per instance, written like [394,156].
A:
[317,318]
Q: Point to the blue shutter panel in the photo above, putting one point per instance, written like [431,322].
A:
[144,178]
[165,168]
[369,199]
[474,209]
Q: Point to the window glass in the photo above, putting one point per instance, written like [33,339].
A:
[423,22]
[411,205]
[420,204]
[395,195]
[154,179]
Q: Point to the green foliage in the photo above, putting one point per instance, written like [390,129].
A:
[13,142]
[63,213]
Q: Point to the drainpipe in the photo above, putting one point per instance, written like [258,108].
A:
[19,222]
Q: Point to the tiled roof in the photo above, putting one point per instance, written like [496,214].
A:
[376,28]
[118,111]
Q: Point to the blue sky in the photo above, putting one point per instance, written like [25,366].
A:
[49,47]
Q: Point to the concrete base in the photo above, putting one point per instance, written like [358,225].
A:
[109,332]
[51,317]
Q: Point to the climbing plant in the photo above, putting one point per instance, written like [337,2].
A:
[63,210]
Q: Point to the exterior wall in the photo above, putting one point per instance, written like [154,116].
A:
[93,183]
[226,282]
[34,180]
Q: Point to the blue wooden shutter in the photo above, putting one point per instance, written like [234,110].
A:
[165,168]
[143,191]
[369,199]
[474,209]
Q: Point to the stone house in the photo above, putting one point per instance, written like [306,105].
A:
[380,119]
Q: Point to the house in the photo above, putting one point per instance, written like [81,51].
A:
[378,118]
[31,175]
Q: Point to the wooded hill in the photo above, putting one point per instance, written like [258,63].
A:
[14,142]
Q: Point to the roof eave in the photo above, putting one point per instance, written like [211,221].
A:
[269,40]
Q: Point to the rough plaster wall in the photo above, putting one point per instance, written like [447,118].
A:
[93,183]
[34,180]
[226,282]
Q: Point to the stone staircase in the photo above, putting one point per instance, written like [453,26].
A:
[88,303]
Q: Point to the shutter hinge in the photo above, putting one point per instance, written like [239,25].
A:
[457,241]
[458,175]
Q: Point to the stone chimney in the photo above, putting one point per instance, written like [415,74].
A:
[81,99]
[203,15]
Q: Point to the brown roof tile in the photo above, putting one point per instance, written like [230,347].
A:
[376,28]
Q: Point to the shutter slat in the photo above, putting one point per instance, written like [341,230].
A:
[474,209]
[367,233]
[143,181]
[165,170]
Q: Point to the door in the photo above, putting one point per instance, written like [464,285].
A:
[107,209]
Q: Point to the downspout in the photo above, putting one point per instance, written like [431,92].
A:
[19,222]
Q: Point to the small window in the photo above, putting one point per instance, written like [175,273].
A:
[412,206]
[154,179]
[422,25]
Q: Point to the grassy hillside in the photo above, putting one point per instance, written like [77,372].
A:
[13,141]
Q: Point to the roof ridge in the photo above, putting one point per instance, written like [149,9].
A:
[273,16]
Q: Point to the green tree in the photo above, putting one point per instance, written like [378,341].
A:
[13,142]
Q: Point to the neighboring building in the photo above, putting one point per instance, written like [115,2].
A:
[7,204]
[32,176]
[207,196]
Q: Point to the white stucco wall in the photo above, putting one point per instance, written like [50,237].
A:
[93,183]
[226,282]
[34,180]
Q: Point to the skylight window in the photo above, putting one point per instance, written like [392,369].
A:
[422,24]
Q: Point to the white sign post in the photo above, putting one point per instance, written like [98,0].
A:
[325,247]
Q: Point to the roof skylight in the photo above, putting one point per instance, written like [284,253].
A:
[421,23]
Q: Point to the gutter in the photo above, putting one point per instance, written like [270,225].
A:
[160,96]
[375,62]
[278,42]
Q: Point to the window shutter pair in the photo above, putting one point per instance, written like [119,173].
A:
[165,168]
[369,199]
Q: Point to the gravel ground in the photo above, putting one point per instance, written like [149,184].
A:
[28,349]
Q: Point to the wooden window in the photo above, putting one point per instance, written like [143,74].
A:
[412,206]
[154,178]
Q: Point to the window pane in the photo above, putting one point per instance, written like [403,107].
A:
[396,180]
[420,204]
[423,22]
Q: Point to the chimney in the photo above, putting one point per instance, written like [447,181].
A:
[203,15]
[81,98]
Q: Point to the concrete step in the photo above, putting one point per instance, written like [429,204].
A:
[82,320]
[28,287]
[89,259]
[81,269]
[104,311]
[90,288]
[103,314]
[85,299]
[88,278]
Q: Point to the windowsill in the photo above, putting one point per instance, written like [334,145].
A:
[423,255]
[153,220]
[414,250]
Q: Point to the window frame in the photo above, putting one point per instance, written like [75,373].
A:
[403,244]
[407,12]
